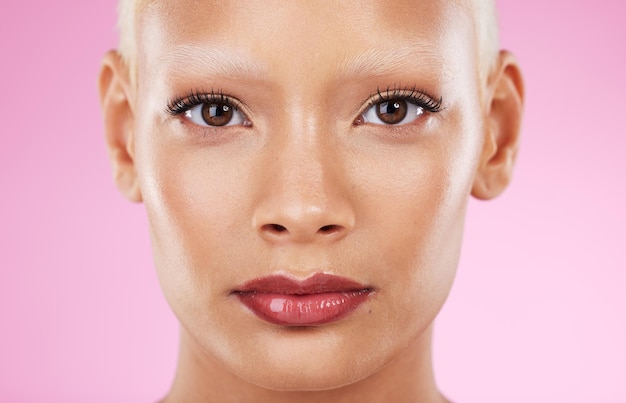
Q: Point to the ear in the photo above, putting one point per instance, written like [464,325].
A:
[117,111]
[502,124]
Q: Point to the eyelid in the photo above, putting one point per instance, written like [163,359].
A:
[179,105]
[419,97]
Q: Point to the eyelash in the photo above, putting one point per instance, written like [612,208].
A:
[413,95]
[421,98]
[180,105]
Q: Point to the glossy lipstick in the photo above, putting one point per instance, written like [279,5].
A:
[318,300]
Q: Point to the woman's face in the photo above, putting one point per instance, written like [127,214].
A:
[290,139]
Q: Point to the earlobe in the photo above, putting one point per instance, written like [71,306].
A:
[502,125]
[115,102]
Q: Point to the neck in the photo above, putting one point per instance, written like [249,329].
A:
[408,378]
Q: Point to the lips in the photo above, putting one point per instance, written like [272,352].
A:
[318,300]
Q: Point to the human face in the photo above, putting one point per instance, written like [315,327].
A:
[303,179]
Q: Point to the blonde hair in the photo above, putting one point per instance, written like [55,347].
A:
[487,38]
[483,13]
[127,11]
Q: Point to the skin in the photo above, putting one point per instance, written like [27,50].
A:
[305,186]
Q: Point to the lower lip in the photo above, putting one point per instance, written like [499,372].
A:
[303,310]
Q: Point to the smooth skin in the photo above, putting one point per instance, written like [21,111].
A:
[302,183]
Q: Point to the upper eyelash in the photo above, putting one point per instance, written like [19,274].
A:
[421,98]
[180,105]
[417,96]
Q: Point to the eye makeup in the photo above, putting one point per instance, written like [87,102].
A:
[397,106]
[412,95]
[384,107]
[180,105]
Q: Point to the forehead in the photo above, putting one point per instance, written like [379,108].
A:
[270,37]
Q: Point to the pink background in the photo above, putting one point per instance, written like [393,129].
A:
[538,312]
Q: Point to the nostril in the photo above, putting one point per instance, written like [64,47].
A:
[330,229]
[274,228]
[277,231]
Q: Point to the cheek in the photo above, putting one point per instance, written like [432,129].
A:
[419,224]
[416,203]
[194,207]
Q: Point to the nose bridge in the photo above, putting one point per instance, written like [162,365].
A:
[304,196]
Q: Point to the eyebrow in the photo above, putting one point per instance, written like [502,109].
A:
[229,63]
[235,64]
[375,62]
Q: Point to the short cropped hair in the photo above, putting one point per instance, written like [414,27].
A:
[483,12]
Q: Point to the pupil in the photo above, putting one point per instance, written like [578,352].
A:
[216,111]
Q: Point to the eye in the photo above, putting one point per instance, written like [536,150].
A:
[215,114]
[398,106]
[392,112]
[208,109]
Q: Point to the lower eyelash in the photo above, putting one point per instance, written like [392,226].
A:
[414,95]
[180,105]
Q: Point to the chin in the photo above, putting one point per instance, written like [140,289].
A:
[332,376]
[309,359]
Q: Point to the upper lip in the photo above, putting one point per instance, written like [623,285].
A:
[316,284]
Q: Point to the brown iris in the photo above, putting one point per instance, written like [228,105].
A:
[391,112]
[217,114]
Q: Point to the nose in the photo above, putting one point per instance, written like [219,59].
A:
[304,196]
